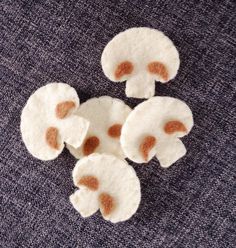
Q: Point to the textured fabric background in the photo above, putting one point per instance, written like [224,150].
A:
[192,204]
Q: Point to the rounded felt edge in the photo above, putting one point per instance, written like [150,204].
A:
[153,99]
[92,157]
[129,214]
[40,156]
[73,198]
[58,85]
[138,108]
[181,153]
[48,87]
[103,59]
[26,107]
[111,100]
[107,98]
[73,151]
[124,163]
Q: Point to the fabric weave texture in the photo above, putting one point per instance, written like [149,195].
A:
[191,204]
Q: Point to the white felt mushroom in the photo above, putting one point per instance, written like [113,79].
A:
[154,127]
[140,56]
[108,183]
[106,116]
[48,120]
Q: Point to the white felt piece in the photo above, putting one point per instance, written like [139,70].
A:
[102,113]
[140,46]
[39,114]
[140,85]
[169,151]
[149,119]
[116,178]
[73,130]
[85,202]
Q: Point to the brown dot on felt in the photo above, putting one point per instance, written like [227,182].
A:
[51,137]
[114,131]
[90,145]
[107,203]
[63,108]
[124,68]
[174,126]
[90,182]
[158,68]
[146,146]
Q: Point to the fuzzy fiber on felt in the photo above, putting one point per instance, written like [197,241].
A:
[140,56]
[152,116]
[118,183]
[192,204]
[104,114]
[40,115]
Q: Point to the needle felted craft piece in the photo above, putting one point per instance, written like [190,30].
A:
[106,183]
[140,56]
[154,127]
[48,120]
[106,116]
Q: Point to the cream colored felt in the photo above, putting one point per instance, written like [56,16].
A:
[85,202]
[149,119]
[39,114]
[115,177]
[102,113]
[140,46]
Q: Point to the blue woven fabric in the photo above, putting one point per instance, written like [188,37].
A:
[191,204]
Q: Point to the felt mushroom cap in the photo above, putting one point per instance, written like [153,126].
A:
[140,56]
[154,128]
[48,120]
[108,183]
[106,116]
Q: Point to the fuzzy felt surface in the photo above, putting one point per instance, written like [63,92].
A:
[140,56]
[153,116]
[118,195]
[43,132]
[192,203]
[105,115]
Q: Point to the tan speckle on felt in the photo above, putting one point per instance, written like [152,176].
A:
[174,126]
[90,145]
[51,137]
[146,146]
[123,68]
[114,131]
[159,69]
[107,203]
[63,108]
[90,182]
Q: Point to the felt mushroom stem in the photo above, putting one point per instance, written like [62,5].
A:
[140,86]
